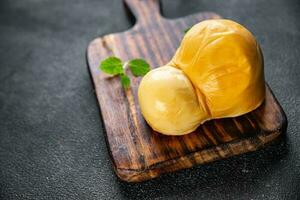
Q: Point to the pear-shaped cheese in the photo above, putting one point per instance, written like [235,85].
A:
[168,101]
[216,72]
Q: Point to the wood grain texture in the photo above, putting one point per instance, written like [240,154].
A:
[139,153]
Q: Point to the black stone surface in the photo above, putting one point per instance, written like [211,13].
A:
[51,140]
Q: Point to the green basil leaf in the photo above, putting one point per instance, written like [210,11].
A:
[112,65]
[139,67]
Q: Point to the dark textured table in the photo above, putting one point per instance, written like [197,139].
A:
[51,137]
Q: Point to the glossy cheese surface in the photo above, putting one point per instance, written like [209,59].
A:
[224,62]
[224,65]
[168,101]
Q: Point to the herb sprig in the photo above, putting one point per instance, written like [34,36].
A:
[114,66]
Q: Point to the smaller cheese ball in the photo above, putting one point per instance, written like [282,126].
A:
[169,102]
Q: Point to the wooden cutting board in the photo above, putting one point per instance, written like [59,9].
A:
[138,153]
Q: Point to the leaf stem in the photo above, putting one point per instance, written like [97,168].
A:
[125,65]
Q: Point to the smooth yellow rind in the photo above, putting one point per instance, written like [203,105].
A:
[168,101]
[224,64]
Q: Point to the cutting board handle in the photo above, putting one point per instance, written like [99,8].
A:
[144,10]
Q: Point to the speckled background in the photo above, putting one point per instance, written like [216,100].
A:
[51,137]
